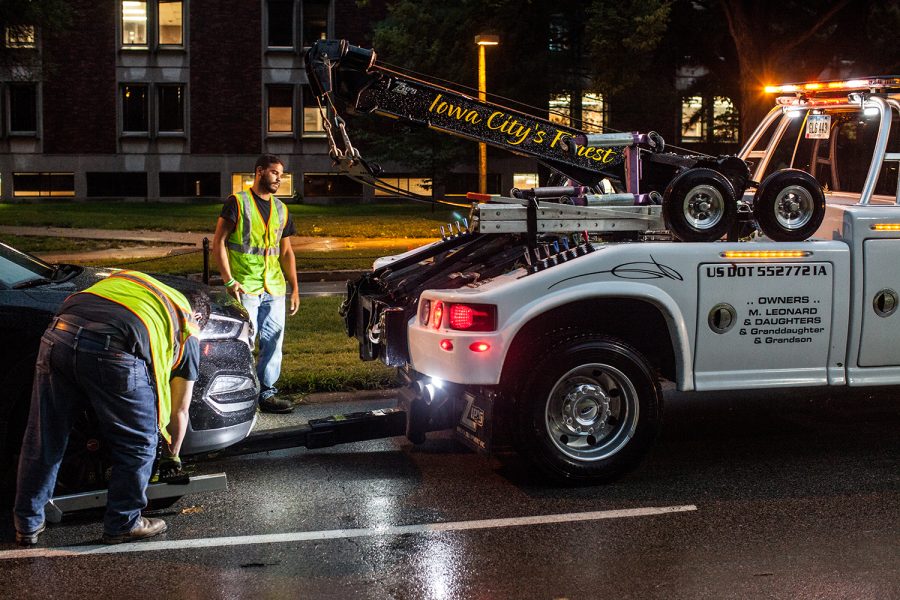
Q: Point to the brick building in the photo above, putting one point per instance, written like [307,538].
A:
[169,99]
[173,100]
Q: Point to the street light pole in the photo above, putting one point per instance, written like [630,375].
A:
[482,41]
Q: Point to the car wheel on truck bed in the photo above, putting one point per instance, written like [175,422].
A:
[789,205]
[589,410]
[699,205]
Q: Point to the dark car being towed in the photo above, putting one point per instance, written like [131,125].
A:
[223,408]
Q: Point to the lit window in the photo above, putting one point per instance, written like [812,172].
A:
[416,185]
[525,181]
[20,36]
[315,21]
[312,116]
[171,23]
[592,112]
[280,15]
[726,124]
[244,181]
[43,185]
[134,23]
[134,108]
[693,125]
[171,108]
[561,109]
[281,109]
[23,108]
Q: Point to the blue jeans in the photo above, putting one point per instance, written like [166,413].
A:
[267,313]
[70,376]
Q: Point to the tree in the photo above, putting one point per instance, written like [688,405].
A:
[795,41]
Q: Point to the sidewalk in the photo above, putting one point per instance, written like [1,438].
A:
[180,242]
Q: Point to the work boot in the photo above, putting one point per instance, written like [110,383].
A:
[145,528]
[30,539]
[274,404]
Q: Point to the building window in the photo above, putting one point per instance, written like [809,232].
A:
[179,184]
[417,185]
[22,102]
[20,36]
[280,109]
[312,116]
[315,21]
[43,185]
[137,24]
[525,181]
[593,111]
[712,119]
[321,185]
[171,108]
[280,14]
[171,23]
[134,23]
[560,109]
[243,181]
[135,110]
[726,124]
[116,184]
[560,34]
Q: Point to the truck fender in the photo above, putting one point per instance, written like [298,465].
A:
[677,327]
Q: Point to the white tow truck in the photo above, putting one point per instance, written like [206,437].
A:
[549,323]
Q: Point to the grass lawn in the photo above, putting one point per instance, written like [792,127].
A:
[37,244]
[408,219]
[319,357]
[192,261]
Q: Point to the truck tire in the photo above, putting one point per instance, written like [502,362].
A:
[589,410]
[699,205]
[789,205]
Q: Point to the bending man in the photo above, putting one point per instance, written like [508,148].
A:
[126,347]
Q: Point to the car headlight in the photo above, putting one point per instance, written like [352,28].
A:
[225,328]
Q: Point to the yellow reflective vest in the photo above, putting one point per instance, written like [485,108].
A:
[254,247]
[166,314]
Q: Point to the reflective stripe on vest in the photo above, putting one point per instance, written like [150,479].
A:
[166,314]
[254,247]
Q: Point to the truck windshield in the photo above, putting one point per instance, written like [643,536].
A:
[839,159]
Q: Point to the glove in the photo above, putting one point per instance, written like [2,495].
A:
[171,470]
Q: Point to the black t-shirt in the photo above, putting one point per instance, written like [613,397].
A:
[113,319]
[231,208]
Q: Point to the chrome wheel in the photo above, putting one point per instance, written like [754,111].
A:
[794,207]
[703,207]
[591,412]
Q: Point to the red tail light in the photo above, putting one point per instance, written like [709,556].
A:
[472,317]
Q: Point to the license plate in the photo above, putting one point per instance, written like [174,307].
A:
[474,427]
[818,127]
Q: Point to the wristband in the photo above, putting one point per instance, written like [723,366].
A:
[230,282]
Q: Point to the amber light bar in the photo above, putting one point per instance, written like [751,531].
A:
[886,227]
[766,253]
[841,85]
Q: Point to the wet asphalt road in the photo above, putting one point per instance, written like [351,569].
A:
[796,495]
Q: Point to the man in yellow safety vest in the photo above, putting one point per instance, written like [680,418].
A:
[253,250]
[126,348]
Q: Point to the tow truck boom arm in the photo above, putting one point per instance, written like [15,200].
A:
[347,78]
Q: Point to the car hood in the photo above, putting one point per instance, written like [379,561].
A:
[53,294]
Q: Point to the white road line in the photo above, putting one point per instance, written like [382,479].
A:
[305,536]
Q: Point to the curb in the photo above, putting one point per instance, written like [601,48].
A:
[332,397]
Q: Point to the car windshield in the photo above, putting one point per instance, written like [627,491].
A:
[17,267]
